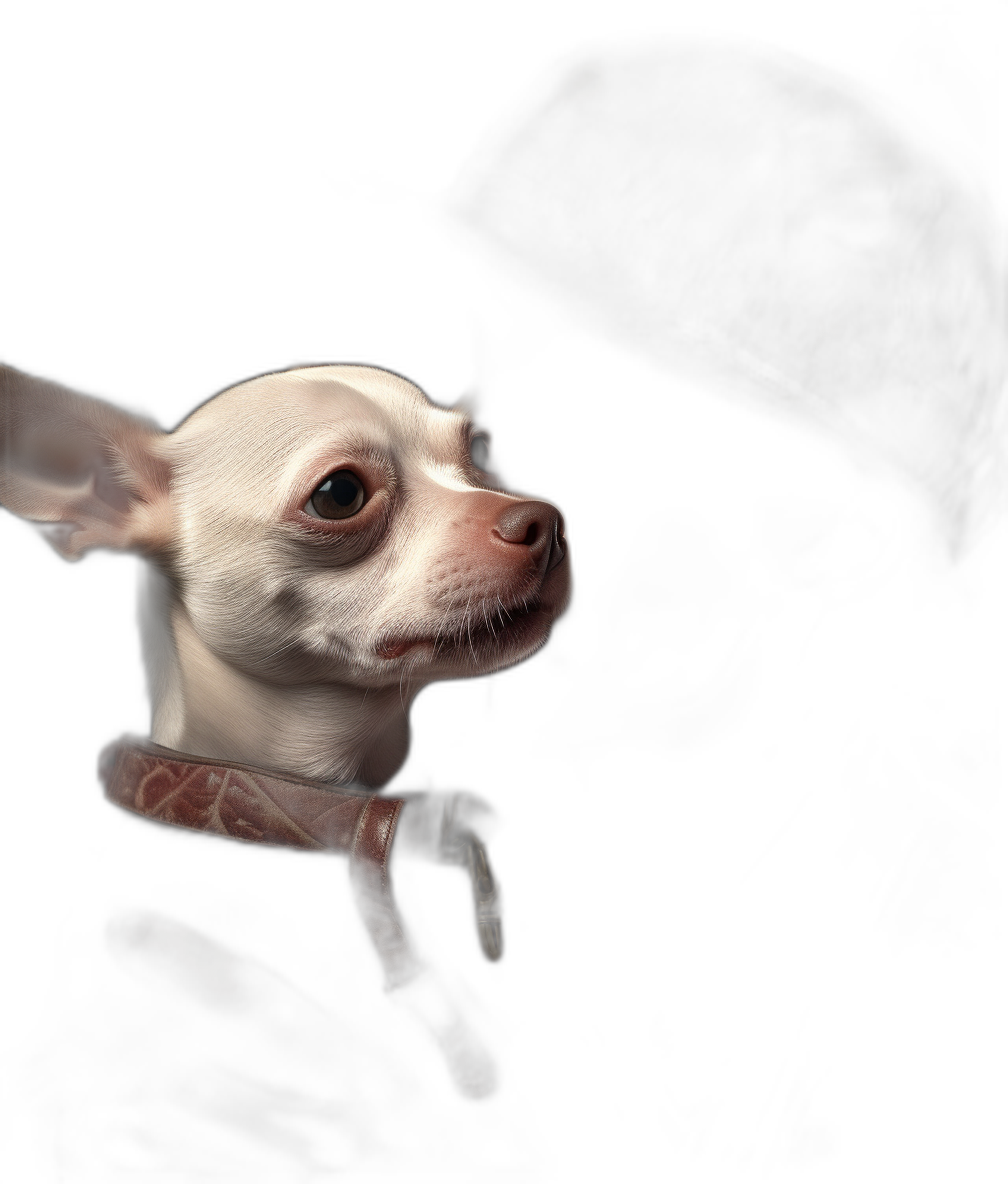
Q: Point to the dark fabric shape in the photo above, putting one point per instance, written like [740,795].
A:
[768,232]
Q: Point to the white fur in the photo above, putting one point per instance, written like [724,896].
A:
[268,630]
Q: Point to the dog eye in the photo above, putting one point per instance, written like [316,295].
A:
[340,495]
[479,451]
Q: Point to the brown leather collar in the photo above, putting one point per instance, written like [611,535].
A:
[256,805]
[247,803]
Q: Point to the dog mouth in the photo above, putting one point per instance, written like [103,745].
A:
[479,635]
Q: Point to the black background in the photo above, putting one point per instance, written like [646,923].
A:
[186,208]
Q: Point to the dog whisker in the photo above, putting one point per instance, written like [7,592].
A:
[440,628]
[487,623]
[468,621]
[284,645]
[402,701]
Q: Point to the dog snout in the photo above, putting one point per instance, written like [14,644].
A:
[538,526]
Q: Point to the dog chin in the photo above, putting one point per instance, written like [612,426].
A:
[482,642]
[477,647]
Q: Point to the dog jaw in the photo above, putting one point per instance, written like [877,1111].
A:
[489,633]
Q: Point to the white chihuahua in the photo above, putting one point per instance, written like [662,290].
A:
[322,543]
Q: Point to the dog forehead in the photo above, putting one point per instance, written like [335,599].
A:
[395,395]
[359,388]
[271,430]
[313,397]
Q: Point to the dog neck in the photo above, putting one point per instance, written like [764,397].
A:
[205,706]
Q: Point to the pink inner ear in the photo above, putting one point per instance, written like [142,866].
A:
[79,462]
[110,489]
[59,533]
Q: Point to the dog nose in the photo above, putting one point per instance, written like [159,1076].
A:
[538,526]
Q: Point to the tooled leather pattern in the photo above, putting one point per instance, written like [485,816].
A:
[249,804]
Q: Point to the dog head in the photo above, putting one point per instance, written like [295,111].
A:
[321,525]
[330,523]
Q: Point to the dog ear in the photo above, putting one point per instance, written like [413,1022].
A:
[95,475]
